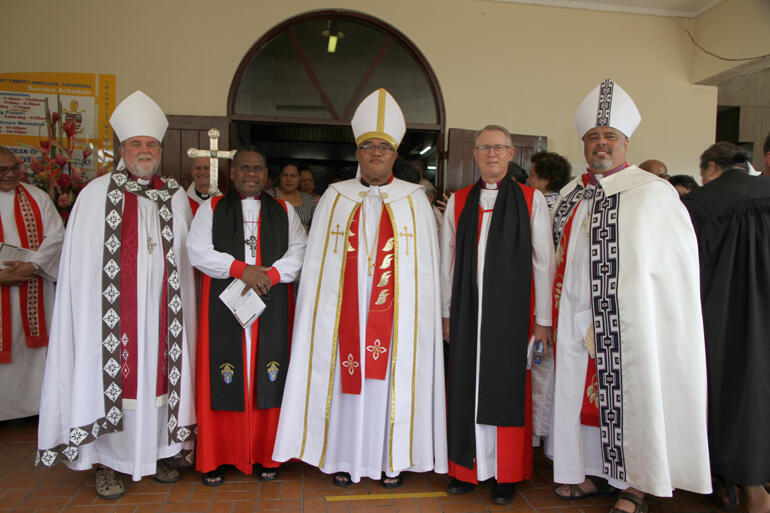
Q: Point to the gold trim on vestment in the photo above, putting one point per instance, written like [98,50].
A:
[381,97]
[312,330]
[335,335]
[394,350]
[414,345]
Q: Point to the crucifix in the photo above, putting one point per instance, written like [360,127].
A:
[406,234]
[150,244]
[337,236]
[213,153]
[251,242]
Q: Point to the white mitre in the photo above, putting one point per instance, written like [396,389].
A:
[607,105]
[379,116]
[138,115]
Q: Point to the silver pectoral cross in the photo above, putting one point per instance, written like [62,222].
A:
[251,242]
[213,153]
[150,244]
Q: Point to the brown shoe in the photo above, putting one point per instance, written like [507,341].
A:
[165,474]
[108,484]
[640,505]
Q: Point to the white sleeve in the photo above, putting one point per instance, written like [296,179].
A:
[47,255]
[200,245]
[543,262]
[289,265]
[448,240]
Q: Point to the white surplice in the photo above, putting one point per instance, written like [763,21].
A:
[661,360]
[217,264]
[395,424]
[542,273]
[73,383]
[22,379]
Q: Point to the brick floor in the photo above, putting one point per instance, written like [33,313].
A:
[300,488]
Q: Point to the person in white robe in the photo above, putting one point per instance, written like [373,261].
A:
[198,190]
[493,150]
[118,385]
[22,356]
[362,400]
[630,393]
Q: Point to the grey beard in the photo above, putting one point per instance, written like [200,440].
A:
[601,165]
[141,173]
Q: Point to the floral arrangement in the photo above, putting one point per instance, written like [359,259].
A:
[57,172]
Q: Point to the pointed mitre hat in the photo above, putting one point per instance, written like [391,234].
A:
[379,116]
[607,105]
[138,115]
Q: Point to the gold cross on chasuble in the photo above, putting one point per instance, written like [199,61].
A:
[337,234]
[406,234]
[214,154]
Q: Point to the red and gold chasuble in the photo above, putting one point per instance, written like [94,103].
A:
[29,225]
[379,325]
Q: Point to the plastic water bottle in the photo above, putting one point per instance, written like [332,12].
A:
[539,352]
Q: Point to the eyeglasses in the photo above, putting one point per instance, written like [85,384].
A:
[384,148]
[497,148]
[12,168]
[243,168]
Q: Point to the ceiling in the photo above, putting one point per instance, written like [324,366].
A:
[680,8]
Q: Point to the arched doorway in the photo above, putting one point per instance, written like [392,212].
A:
[294,93]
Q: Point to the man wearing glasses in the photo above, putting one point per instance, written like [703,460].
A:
[250,236]
[365,391]
[497,268]
[29,221]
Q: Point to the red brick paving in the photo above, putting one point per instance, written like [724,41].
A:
[300,488]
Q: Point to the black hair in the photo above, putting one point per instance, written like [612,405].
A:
[725,155]
[248,148]
[553,168]
[686,181]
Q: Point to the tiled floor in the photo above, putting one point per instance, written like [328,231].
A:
[300,488]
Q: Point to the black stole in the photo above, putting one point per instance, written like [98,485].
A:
[505,320]
[225,333]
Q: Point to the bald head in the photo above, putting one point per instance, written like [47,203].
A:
[655,167]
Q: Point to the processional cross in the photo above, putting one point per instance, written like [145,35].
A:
[213,153]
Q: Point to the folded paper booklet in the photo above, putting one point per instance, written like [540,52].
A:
[9,252]
[245,307]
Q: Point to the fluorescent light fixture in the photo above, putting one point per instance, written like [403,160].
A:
[332,43]
[431,167]
[425,150]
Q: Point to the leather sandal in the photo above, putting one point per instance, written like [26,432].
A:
[165,474]
[640,505]
[390,482]
[214,478]
[108,484]
[576,493]
[267,474]
[342,479]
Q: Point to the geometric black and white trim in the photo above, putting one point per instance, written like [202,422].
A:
[606,316]
[604,107]
[120,183]
[562,212]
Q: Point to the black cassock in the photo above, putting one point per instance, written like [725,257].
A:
[731,216]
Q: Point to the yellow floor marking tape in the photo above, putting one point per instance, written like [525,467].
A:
[333,498]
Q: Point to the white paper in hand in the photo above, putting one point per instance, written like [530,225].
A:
[247,307]
[10,253]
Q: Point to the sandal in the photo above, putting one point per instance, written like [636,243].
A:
[342,479]
[165,474]
[267,474]
[727,500]
[640,505]
[214,478]
[108,484]
[390,482]
[576,493]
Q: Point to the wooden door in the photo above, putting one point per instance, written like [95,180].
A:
[462,170]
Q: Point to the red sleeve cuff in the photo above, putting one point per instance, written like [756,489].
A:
[274,275]
[237,268]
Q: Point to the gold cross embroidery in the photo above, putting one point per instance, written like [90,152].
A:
[406,234]
[337,236]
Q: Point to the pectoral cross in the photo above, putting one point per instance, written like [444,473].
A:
[213,153]
[406,234]
[150,244]
[251,242]
[337,236]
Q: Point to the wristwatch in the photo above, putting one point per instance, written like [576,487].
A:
[37,270]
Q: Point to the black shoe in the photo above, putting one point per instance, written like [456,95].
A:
[503,493]
[458,487]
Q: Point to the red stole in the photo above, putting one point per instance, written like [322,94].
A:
[589,411]
[379,326]
[29,226]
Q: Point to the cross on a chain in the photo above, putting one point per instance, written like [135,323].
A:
[150,244]
[406,234]
[213,153]
[251,242]
[337,236]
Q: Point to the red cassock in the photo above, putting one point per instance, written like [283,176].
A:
[193,205]
[514,444]
[239,438]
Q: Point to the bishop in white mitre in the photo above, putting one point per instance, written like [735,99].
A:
[118,388]
[630,392]
[365,392]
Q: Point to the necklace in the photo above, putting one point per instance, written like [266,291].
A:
[370,259]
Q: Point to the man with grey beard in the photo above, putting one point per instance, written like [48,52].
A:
[630,391]
[118,385]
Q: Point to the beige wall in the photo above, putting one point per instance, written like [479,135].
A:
[523,66]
